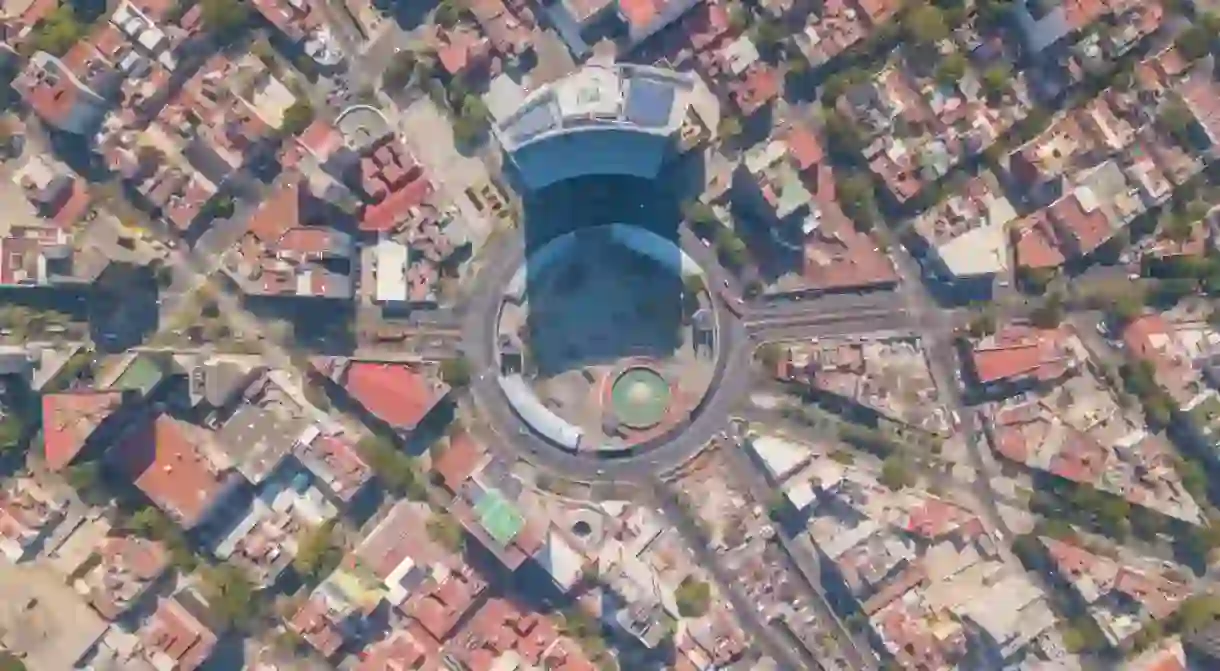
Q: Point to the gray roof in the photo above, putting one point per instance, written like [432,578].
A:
[257,440]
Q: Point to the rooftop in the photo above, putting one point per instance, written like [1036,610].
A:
[126,567]
[165,463]
[175,639]
[398,394]
[70,418]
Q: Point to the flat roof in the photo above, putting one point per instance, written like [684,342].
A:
[44,620]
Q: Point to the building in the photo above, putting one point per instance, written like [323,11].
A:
[290,250]
[1018,357]
[258,439]
[791,183]
[1121,599]
[70,420]
[393,184]
[336,464]
[398,394]
[65,92]
[967,232]
[617,119]
[170,465]
[27,514]
[645,18]
[305,25]
[173,638]
[122,570]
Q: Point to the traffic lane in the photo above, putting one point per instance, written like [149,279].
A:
[828,303]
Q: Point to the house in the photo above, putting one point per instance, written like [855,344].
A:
[290,249]
[123,569]
[1018,356]
[337,464]
[171,467]
[398,394]
[27,514]
[69,421]
[173,638]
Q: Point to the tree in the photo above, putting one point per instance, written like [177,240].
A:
[768,35]
[996,79]
[925,25]
[225,19]
[951,69]
[739,18]
[730,127]
[699,214]
[446,532]
[9,662]
[400,70]
[12,429]
[1195,42]
[230,595]
[297,117]
[1049,314]
[1198,612]
[84,477]
[456,372]
[694,597]
[1123,310]
[317,553]
[770,355]
[448,13]
[58,31]
[896,473]
[731,248]
[1176,120]
[396,470]
[858,200]
[983,324]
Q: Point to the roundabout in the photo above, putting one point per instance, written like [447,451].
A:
[639,397]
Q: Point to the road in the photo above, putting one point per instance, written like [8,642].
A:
[804,560]
[936,327]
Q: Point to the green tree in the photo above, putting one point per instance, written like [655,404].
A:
[996,79]
[318,553]
[983,324]
[951,69]
[12,429]
[1177,121]
[1050,314]
[230,595]
[58,31]
[858,200]
[448,13]
[731,248]
[767,35]
[446,532]
[770,355]
[896,473]
[396,470]
[297,117]
[1124,309]
[694,597]
[730,127]
[9,662]
[1195,42]
[225,19]
[925,24]
[400,70]
[456,371]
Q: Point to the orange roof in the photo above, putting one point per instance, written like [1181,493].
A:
[1038,243]
[640,13]
[69,418]
[313,625]
[459,461]
[1089,228]
[176,633]
[1016,351]
[398,394]
[804,147]
[277,214]
[171,470]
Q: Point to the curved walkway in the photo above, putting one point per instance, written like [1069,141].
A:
[729,384]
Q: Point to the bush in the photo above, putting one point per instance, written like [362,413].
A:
[694,597]
[58,31]
[896,473]
[297,117]
[225,19]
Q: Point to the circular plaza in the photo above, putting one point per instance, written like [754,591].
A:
[606,340]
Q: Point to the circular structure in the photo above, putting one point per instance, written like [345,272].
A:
[640,397]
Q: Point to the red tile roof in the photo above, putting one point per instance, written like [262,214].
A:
[127,565]
[313,624]
[398,394]
[457,463]
[1038,244]
[1017,351]
[399,652]
[69,418]
[172,631]
[1088,228]
[171,470]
